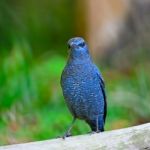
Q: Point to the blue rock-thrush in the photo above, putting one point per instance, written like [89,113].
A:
[83,87]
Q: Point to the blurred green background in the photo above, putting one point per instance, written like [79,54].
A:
[33,52]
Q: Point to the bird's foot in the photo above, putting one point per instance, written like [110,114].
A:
[97,131]
[93,132]
[67,134]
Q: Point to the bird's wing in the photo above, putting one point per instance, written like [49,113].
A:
[102,85]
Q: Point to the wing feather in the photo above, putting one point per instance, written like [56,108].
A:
[102,85]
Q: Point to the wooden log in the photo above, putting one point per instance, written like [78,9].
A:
[133,138]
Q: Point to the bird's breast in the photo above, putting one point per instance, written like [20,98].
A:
[77,77]
[81,90]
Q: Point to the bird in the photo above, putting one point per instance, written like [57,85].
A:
[83,87]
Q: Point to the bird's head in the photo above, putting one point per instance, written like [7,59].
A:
[78,48]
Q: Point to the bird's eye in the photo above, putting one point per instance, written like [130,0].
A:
[82,44]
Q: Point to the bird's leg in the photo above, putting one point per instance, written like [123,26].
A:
[67,133]
[96,130]
[97,126]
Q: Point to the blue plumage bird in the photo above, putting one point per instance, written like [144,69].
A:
[83,87]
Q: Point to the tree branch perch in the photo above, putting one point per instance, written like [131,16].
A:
[133,138]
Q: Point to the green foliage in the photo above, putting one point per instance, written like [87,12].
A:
[21,78]
[46,25]
[132,92]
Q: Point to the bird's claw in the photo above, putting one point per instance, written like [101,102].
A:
[66,135]
[98,131]
[93,132]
